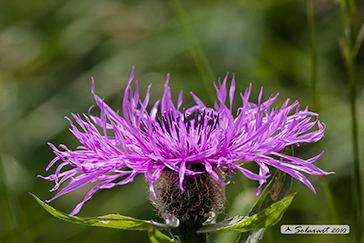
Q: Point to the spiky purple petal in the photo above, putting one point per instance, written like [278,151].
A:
[190,142]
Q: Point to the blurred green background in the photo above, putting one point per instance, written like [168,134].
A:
[49,49]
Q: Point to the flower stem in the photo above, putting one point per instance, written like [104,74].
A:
[188,232]
[10,203]
[349,53]
[197,52]
[316,104]
[313,50]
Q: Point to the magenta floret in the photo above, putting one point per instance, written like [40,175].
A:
[189,142]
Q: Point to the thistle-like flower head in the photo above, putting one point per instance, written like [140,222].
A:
[186,142]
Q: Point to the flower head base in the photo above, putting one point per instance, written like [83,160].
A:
[203,197]
[184,144]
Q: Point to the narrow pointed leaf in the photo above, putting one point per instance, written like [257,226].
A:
[111,221]
[252,236]
[155,236]
[359,41]
[277,189]
[263,219]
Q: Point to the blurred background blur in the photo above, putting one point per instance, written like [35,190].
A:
[49,50]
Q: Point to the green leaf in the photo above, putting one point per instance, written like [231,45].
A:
[263,219]
[111,221]
[155,236]
[252,236]
[276,189]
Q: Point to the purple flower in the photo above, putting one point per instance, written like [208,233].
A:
[188,141]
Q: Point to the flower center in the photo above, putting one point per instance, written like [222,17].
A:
[185,136]
[202,198]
